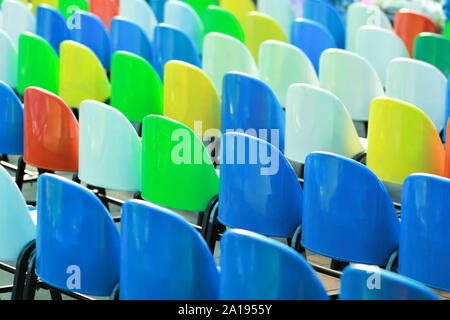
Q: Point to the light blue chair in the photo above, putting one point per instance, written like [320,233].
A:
[254,267]
[51,25]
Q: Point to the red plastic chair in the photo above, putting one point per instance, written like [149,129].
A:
[50,132]
[409,23]
[105,10]
[447,152]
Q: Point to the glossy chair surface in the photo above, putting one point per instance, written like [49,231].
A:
[50,3]
[281,11]
[434,49]
[163,257]
[8,63]
[69,7]
[158,8]
[254,267]
[51,25]
[140,12]
[218,19]
[240,8]
[447,152]
[17,18]
[105,10]
[11,121]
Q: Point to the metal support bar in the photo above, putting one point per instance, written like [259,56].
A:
[327,271]
[6,289]
[14,167]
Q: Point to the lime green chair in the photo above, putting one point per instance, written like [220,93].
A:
[81,75]
[239,8]
[218,19]
[177,171]
[38,64]
[35,3]
[434,49]
[136,89]
[68,7]
[447,29]
[200,5]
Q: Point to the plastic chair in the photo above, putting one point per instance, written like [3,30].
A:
[356,92]
[81,75]
[281,11]
[312,38]
[347,228]
[163,257]
[232,54]
[200,5]
[105,10]
[93,34]
[182,16]
[384,285]
[409,23]
[423,254]
[317,121]
[50,132]
[8,63]
[11,121]
[420,84]
[69,7]
[247,275]
[86,258]
[173,44]
[110,149]
[434,49]
[379,46]
[281,65]
[249,105]
[38,64]
[190,97]
[136,90]
[239,9]
[447,29]
[17,18]
[128,36]
[50,3]
[140,13]
[447,152]
[259,27]
[185,180]
[51,25]
[402,140]
[327,15]
[158,8]
[218,19]
[447,113]
[359,15]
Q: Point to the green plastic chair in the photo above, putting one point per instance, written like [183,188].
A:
[38,64]
[136,89]
[218,19]
[177,171]
[68,7]
[447,29]
[200,5]
[434,49]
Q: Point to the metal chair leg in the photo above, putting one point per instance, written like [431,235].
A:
[20,172]
[21,269]
[30,280]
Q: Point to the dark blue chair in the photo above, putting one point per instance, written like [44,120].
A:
[326,14]
[348,214]
[312,38]
[93,34]
[128,36]
[163,257]
[77,242]
[51,25]
[254,267]
[425,242]
[250,105]
[158,8]
[171,43]
[362,282]
[11,121]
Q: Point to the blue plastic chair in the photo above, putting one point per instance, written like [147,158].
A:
[447,114]
[250,105]
[11,121]
[347,213]
[51,25]
[362,282]
[326,14]
[254,267]
[77,243]
[94,35]
[312,38]
[129,36]
[163,257]
[158,8]
[424,242]
[173,44]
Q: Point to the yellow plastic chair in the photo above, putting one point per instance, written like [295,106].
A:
[190,97]
[81,75]
[402,140]
[35,3]
[259,27]
[239,8]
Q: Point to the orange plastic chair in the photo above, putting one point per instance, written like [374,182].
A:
[50,132]
[447,152]
[409,23]
[105,10]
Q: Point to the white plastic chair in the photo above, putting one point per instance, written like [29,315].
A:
[8,61]
[360,14]
[281,11]
[420,84]
[352,79]
[223,54]
[317,121]
[182,16]
[140,13]
[281,65]
[109,149]
[17,18]
[379,46]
